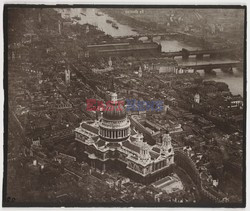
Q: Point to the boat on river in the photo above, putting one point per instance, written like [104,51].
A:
[109,21]
[77,18]
[99,14]
[114,25]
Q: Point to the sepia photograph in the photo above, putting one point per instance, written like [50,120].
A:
[124,106]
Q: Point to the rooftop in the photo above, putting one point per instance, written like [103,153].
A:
[89,128]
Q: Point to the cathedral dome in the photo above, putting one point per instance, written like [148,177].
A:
[114,125]
[116,112]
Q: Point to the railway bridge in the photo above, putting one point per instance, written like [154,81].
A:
[212,53]
[225,66]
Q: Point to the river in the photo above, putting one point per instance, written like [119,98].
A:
[94,17]
[90,16]
[234,82]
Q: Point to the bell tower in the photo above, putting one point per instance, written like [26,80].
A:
[166,148]
[144,153]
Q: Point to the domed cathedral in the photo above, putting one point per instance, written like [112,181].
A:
[109,142]
[114,126]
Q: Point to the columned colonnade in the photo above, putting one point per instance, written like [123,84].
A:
[113,134]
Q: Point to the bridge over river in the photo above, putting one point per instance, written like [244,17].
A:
[208,66]
[212,53]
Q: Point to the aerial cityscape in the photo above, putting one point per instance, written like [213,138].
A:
[124,106]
